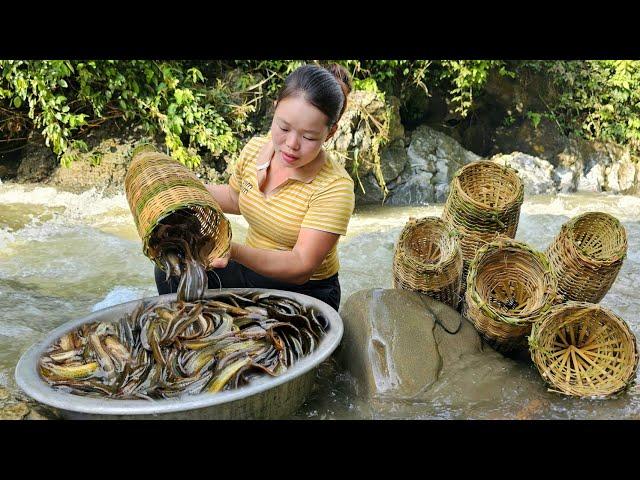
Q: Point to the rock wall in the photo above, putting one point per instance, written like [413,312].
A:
[545,165]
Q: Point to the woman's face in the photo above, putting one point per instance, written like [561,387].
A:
[298,131]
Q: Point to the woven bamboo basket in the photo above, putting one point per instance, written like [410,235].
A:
[587,255]
[583,349]
[428,259]
[510,285]
[484,201]
[156,186]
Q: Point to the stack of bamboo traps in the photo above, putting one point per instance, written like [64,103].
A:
[484,202]
[509,287]
[428,259]
[514,294]
[159,187]
[583,349]
[587,255]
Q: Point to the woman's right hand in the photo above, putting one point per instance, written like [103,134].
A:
[222,262]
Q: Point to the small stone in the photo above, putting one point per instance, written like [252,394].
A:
[34,415]
[17,411]
[532,410]
[4,393]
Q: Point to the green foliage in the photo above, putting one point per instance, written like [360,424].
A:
[603,96]
[594,99]
[535,118]
[64,98]
[508,120]
[212,107]
[467,77]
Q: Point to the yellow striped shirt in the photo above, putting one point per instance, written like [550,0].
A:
[324,203]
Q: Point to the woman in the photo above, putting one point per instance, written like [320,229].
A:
[296,198]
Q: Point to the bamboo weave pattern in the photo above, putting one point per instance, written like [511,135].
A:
[428,259]
[587,255]
[156,185]
[509,287]
[484,202]
[583,349]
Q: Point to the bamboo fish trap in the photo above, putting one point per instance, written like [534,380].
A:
[583,349]
[157,185]
[484,202]
[428,259]
[587,255]
[510,285]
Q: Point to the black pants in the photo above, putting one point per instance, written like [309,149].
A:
[235,275]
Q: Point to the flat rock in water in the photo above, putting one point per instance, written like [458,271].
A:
[394,342]
[406,365]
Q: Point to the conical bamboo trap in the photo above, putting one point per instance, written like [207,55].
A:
[583,349]
[428,259]
[587,255]
[157,185]
[484,202]
[510,285]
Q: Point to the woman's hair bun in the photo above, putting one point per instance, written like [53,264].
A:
[343,77]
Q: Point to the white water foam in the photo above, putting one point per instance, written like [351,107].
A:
[121,294]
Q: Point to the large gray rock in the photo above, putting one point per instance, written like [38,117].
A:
[416,190]
[368,190]
[535,172]
[579,165]
[403,364]
[393,161]
[566,178]
[353,140]
[38,160]
[544,141]
[593,180]
[433,160]
[353,143]
[621,177]
[104,166]
[394,346]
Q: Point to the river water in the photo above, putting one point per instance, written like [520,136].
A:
[64,255]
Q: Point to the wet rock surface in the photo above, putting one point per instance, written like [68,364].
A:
[406,365]
[433,159]
[398,345]
[15,406]
[535,173]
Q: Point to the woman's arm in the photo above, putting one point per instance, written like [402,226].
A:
[295,266]
[226,197]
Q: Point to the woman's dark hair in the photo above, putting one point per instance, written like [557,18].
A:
[326,88]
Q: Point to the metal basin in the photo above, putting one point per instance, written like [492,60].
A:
[264,398]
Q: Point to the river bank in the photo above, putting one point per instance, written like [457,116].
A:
[415,165]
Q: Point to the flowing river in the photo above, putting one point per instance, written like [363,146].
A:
[64,255]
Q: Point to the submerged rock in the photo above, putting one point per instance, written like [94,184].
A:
[406,365]
[15,407]
[14,411]
[396,341]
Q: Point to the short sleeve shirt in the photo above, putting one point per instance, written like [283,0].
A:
[324,203]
